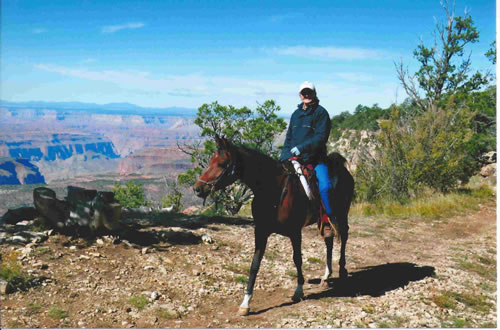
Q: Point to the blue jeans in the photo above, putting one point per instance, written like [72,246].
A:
[324,185]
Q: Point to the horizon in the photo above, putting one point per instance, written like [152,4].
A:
[165,54]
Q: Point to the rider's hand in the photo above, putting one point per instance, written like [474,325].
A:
[295,151]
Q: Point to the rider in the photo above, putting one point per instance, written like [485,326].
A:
[306,137]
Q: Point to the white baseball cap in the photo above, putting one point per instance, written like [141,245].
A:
[307,84]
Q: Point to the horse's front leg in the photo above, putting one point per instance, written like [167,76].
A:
[260,248]
[328,268]
[297,259]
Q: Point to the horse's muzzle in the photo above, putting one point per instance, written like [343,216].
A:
[201,189]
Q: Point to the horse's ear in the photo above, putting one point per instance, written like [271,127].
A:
[218,141]
[222,143]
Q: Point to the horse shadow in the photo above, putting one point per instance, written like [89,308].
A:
[372,281]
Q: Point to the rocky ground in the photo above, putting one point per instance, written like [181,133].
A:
[190,272]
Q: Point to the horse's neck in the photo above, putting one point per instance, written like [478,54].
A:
[260,173]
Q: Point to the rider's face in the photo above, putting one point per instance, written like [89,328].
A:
[305,99]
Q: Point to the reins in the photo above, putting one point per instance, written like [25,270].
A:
[288,174]
[214,182]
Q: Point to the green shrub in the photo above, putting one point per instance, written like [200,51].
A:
[130,195]
[173,199]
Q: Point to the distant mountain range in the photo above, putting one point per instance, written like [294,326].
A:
[110,108]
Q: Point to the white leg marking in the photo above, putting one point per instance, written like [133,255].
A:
[246,301]
[245,305]
[328,272]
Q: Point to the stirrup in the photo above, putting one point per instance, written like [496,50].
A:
[326,228]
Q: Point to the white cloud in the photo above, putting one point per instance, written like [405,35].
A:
[356,77]
[329,53]
[194,89]
[115,28]
[38,31]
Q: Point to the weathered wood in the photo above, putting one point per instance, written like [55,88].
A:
[56,212]
[13,216]
[80,194]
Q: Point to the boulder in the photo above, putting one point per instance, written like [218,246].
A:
[5,287]
[191,210]
[489,170]
[489,157]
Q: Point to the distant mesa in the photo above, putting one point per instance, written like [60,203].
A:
[58,147]
[110,108]
[19,171]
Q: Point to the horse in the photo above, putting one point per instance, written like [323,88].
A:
[280,204]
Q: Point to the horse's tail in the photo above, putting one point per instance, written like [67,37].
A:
[336,160]
[336,167]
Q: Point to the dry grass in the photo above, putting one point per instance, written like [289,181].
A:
[483,266]
[12,272]
[449,300]
[427,206]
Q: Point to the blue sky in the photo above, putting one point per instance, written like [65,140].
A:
[186,53]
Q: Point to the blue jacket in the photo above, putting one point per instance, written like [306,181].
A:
[308,131]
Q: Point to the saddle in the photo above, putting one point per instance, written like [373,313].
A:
[317,203]
[317,206]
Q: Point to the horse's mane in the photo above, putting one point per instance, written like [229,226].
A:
[257,155]
[335,160]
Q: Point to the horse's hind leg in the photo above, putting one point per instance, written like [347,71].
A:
[260,247]
[297,259]
[328,268]
[344,234]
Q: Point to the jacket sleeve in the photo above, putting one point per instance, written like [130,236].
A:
[285,152]
[322,127]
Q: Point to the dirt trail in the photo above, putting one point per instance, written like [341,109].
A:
[191,272]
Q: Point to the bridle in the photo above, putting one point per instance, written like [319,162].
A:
[231,167]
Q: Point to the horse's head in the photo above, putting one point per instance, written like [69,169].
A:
[221,170]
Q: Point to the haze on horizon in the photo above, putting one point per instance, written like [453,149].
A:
[170,54]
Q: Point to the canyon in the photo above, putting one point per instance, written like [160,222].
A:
[44,142]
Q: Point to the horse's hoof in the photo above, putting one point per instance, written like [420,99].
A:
[243,311]
[343,274]
[324,283]
[297,297]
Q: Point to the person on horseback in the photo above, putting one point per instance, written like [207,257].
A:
[306,137]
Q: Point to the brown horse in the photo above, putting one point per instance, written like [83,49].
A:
[276,208]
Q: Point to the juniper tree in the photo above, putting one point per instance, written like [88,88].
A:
[255,129]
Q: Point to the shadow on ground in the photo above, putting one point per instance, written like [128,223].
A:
[137,229]
[372,281]
[151,229]
[181,220]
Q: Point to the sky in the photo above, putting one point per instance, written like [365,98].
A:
[186,53]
